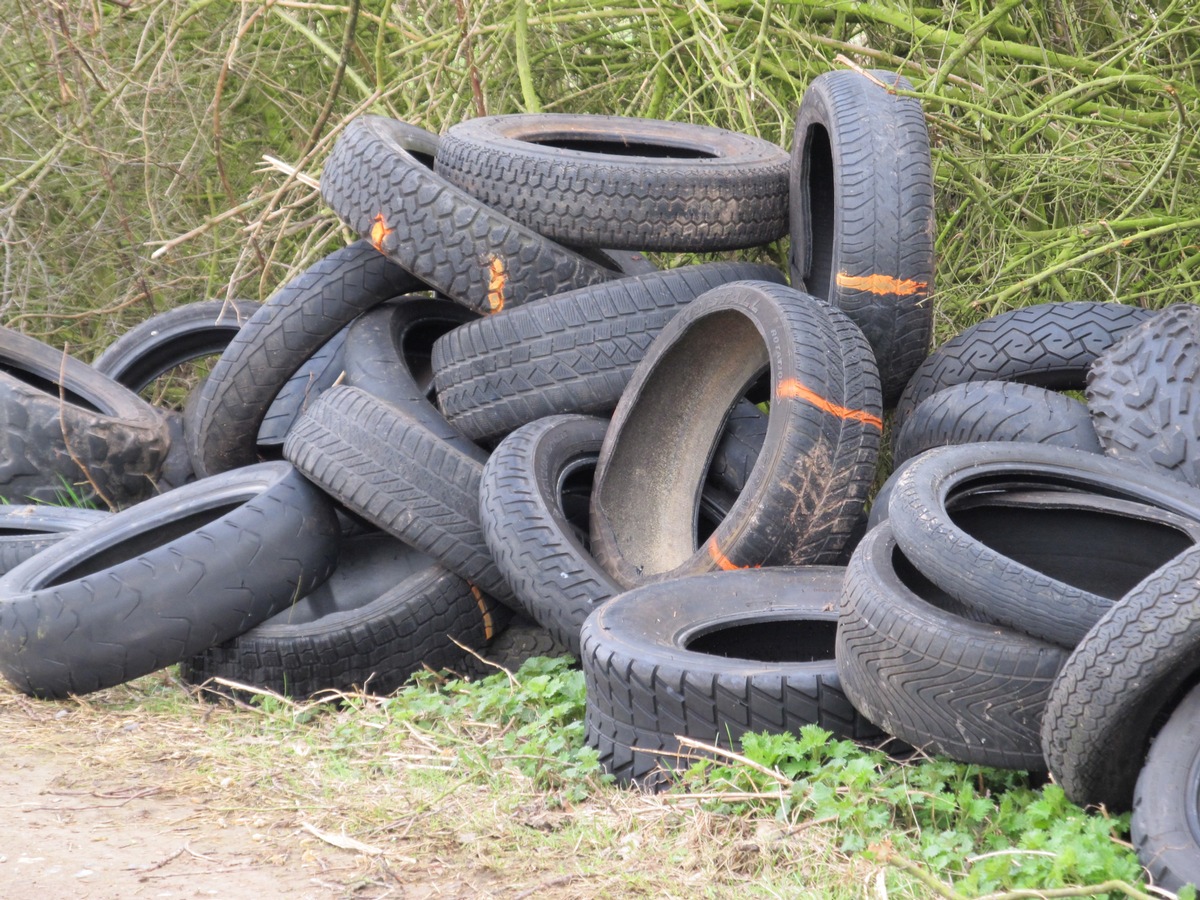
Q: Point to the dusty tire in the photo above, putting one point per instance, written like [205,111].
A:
[28,530]
[911,663]
[65,426]
[1054,598]
[388,468]
[1142,395]
[713,657]
[1050,345]
[520,641]
[980,411]
[809,484]
[164,580]
[570,353]
[384,613]
[379,180]
[861,208]
[614,181]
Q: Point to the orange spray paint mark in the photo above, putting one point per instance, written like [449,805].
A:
[881,284]
[790,387]
[497,279]
[379,232]
[724,563]
[489,627]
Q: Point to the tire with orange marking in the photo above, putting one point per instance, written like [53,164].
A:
[809,483]
[861,211]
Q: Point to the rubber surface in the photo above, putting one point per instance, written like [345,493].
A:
[379,180]
[978,411]
[164,580]
[521,641]
[388,468]
[1142,395]
[26,530]
[809,484]
[861,211]
[966,690]
[1054,599]
[223,424]
[64,427]
[1050,345]
[615,181]
[385,612]
[570,353]
[713,657]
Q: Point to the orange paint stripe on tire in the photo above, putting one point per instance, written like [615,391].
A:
[379,232]
[881,284]
[489,627]
[790,387]
[724,563]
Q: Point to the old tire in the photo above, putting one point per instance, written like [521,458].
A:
[28,530]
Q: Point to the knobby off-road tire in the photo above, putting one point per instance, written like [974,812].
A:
[64,427]
[1142,395]
[861,208]
[290,327]
[615,181]
[571,353]
[379,179]
[1054,599]
[1050,345]
[389,469]
[713,657]
[1165,824]
[164,580]
[388,353]
[809,483]
[385,612]
[970,691]
[28,530]
[974,412]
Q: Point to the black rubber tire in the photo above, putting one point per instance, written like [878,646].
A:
[978,411]
[223,424]
[384,613]
[861,209]
[388,468]
[164,580]
[738,449]
[713,657]
[379,180]
[1142,395]
[571,353]
[615,181]
[29,529]
[810,482]
[1121,682]
[622,263]
[317,374]
[66,427]
[536,541]
[388,354]
[1165,825]
[908,660]
[1050,345]
[1036,598]
[522,640]
[171,338]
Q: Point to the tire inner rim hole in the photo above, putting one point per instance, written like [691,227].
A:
[623,148]
[821,194]
[53,388]
[416,350]
[769,640]
[575,495]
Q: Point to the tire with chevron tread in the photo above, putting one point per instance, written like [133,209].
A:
[26,530]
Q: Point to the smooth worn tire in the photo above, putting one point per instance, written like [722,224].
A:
[384,613]
[391,470]
[1054,599]
[164,580]
[26,530]
[67,429]
[861,208]
[980,411]
[570,353]
[1050,345]
[298,319]
[379,180]
[1165,825]
[1142,395]
[713,657]
[388,354]
[810,481]
[616,181]
[1121,682]
[911,663]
